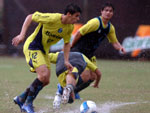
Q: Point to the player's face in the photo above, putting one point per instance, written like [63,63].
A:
[107,13]
[74,18]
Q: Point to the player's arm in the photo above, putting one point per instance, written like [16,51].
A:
[76,38]
[98,73]
[66,49]
[119,47]
[113,40]
[90,26]
[20,38]
[95,69]
[66,56]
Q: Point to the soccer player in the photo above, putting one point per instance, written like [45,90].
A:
[88,38]
[51,28]
[67,80]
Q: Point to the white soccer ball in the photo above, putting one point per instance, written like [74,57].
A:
[88,107]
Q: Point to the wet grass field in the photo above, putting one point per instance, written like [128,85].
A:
[124,87]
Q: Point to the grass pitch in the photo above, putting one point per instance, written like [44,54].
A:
[124,87]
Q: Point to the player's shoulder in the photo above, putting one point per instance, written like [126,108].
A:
[93,20]
[112,28]
[70,27]
[55,15]
[46,15]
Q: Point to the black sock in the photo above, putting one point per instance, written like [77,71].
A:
[82,86]
[35,87]
[80,81]
[24,95]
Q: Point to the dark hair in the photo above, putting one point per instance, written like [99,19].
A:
[108,4]
[72,8]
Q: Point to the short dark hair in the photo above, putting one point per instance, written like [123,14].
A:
[107,4]
[72,8]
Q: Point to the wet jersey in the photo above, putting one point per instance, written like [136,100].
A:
[48,32]
[93,33]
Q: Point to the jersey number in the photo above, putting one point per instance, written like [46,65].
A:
[33,55]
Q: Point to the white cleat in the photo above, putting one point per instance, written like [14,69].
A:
[57,101]
[66,94]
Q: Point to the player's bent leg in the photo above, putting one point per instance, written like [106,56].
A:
[35,88]
[79,82]
[82,86]
[43,74]
[84,81]
[85,75]
[71,82]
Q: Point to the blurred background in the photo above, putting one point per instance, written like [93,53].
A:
[131,20]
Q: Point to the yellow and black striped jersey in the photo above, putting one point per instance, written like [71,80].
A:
[93,25]
[93,33]
[48,32]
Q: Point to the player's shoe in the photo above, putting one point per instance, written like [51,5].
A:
[18,102]
[77,96]
[28,108]
[57,101]
[65,96]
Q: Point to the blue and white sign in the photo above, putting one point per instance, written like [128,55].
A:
[132,43]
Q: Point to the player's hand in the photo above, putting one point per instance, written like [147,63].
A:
[94,85]
[17,40]
[122,50]
[69,67]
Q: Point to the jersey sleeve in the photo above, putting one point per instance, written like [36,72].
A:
[44,17]
[90,26]
[90,65]
[67,37]
[112,35]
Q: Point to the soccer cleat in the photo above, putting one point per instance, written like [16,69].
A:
[18,102]
[65,96]
[28,108]
[57,101]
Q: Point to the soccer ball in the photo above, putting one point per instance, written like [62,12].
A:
[88,107]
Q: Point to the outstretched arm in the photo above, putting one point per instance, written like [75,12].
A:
[20,38]
[119,47]
[76,38]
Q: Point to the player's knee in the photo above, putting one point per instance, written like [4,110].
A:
[44,76]
[85,77]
